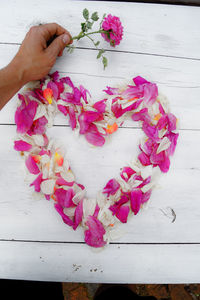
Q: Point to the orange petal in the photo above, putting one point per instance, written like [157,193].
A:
[134,98]
[36,158]
[59,159]
[48,93]
[157,117]
[111,128]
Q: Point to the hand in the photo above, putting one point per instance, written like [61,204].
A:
[35,58]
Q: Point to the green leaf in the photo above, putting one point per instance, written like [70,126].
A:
[95,16]
[97,43]
[101,51]
[83,27]
[86,13]
[105,62]
[89,25]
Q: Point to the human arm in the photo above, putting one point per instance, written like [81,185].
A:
[34,59]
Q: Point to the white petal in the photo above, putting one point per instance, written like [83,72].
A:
[146,172]
[38,139]
[45,159]
[77,198]
[68,176]
[165,143]
[69,211]
[41,111]
[47,186]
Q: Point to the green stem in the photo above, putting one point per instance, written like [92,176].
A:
[82,34]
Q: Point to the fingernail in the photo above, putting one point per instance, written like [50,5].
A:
[66,39]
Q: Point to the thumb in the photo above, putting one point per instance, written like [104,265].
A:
[58,44]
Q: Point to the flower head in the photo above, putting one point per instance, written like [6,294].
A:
[114,30]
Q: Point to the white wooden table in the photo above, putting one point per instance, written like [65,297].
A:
[162,44]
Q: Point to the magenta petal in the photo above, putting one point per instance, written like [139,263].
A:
[94,137]
[163,121]
[64,198]
[111,91]
[111,187]
[141,115]
[39,126]
[136,200]
[37,182]
[144,159]
[31,165]
[65,218]
[122,213]
[22,146]
[78,214]
[94,235]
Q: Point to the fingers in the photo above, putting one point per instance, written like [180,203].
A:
[58,44]
[51,29]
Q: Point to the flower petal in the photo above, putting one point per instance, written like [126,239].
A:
[94,235]
[22,146]
[31,165]
[136,200]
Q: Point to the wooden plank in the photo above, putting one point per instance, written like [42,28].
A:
[26,217]
[148,28]
[115,264]
[178,79]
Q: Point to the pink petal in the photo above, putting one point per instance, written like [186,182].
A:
[24,116]
[97,209]
[52,85]
[128,171]
[65,218]
[172,122]
[100,106]
[31,165]
[63,109]
[78,214]
[94,137]
[173,137]
[150,93]
[144,159]
[64,198]
[139,80]
[36,183]
[111,91]
[165,164]
[72,118]
[141,115]
[86,118]
[146,196]
[151,131]
[136,200]
[22,146]
[111,187]
[38,126]
[122,213]
[94,235]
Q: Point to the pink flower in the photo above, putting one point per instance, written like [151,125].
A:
[94,235]
[114,29]
[111,187]
[22,146]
